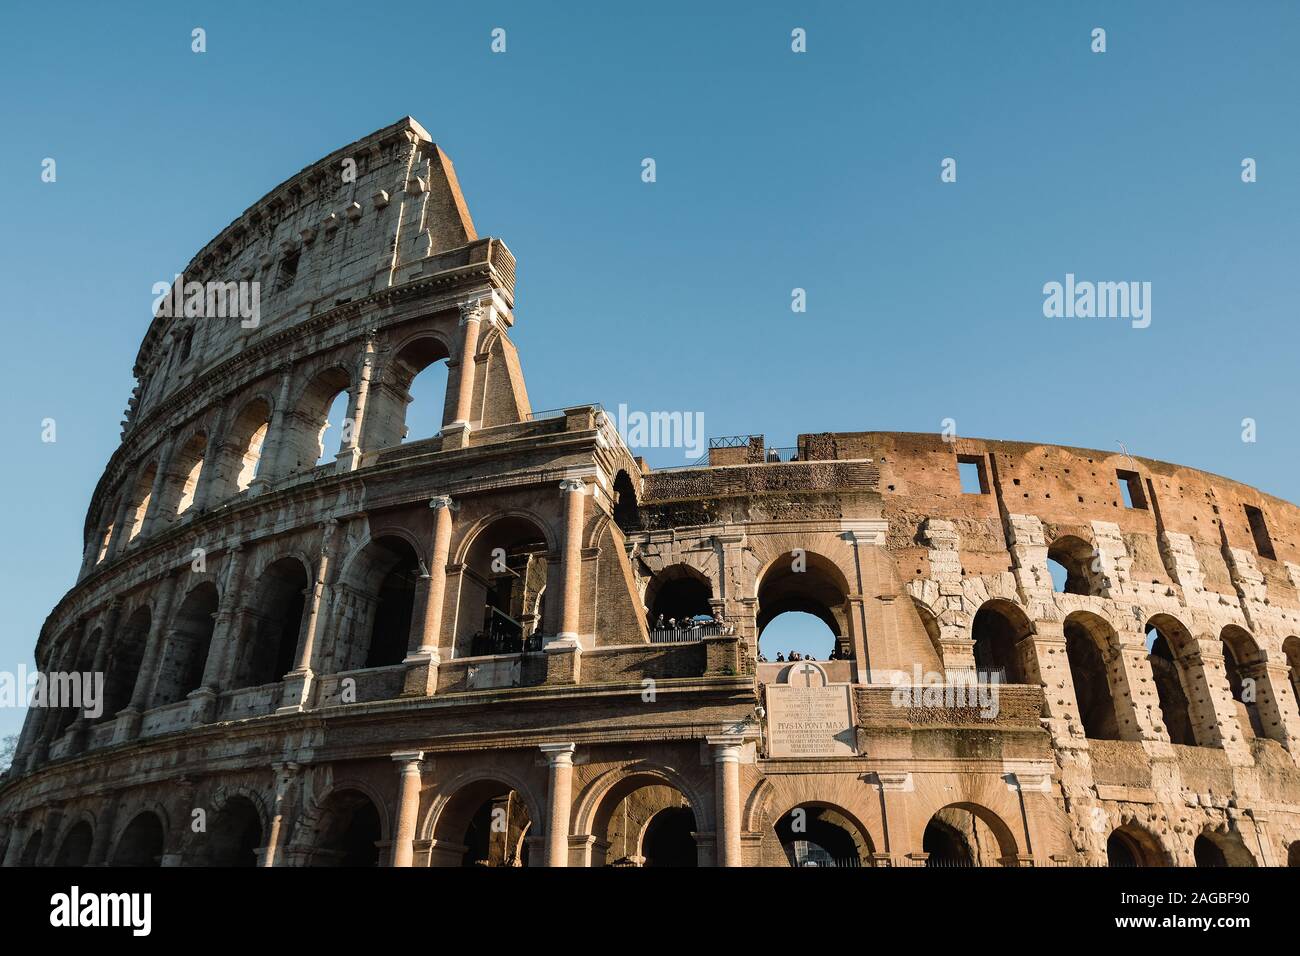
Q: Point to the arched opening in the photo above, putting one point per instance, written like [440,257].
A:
[141,843]
[188,641]
[811,585]
[274,625]
[503,575]
[644,820]
[1089,642]
[316,426]
[485,823]
[76,846]
[1130,846]
[377,602]
[945,845]
[1291,650]
[143,495]
[1240,657]
[678,596]
[349,830]
[1070,561]
[669,839]
[997,631]
[124,659]
[817,835]
[248,434]
[1166,641]
[1216,848]
[235,835]
[420,374]
[84,663]
[627,514]
[967,834]
[798,635]
[1293,854]
[189,468]
[107,539]
[32,851]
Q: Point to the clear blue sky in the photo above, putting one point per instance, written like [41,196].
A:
[775,171]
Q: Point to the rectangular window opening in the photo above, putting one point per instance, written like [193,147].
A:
[974,481]
[1263,543]
[1130,485]
[288,271]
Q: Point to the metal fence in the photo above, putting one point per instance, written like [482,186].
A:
[684,635]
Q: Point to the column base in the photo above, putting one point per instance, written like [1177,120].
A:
[203,706]
[297,689]
[563,660]
[455,435]
[128,726]
[421,676]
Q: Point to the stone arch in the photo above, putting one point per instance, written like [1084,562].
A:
[1092,649]
[122,665]
[975,824]
[74,849]
[415,357]
[235,833]
[811,583]
[1241,655]
[1221,847]
[627,513]
[1168,644]
[596,810]
[32,851]
[997,630]
[245,440]
[349,823]
[82,662]
[503,564]
[677,591]
[306,423]
[189,639]
[1076,556]
[273,625]
[1132,845]
[375,601]
[142,841]
[141,496]
[182,482]
[820,833]
[455,821]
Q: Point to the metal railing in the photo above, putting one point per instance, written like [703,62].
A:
[684,635]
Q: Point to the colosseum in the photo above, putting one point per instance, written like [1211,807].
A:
[514,643]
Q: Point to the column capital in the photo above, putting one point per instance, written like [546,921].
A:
[573,484]
[409,760]
[472,310]
[558,755]
[726,747]
[438,502]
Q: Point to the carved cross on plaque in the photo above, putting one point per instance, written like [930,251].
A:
[813,676]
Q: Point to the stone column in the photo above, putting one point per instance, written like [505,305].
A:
[105,823]
[204,699]
[153,515]
[284,775]
[268,466]
[895,822]
[1277,711]
[1206,665]
[408,805]
[298,682]
[17,839]
[118,539]
[128,725]
[456,432]
[726,762]
[423,656]
[574,490]
[349,456]
[107,637]
[559,758]
[1045,662]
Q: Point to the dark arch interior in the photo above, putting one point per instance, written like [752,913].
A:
[281,598]
[679,598]
[1075,557]
[141,843]
[505,574]
[495,835]
[627,515]
[945,846]
[350,832]
[1167,674]
[669,839]
[810,838]
[124,661]
[182,669]
[390,635]
[422,373]
[235,835]
[1092,688]
[76,846]
[1240,651]
[996,630]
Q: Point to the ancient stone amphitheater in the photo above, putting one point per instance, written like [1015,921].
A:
[448,651]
